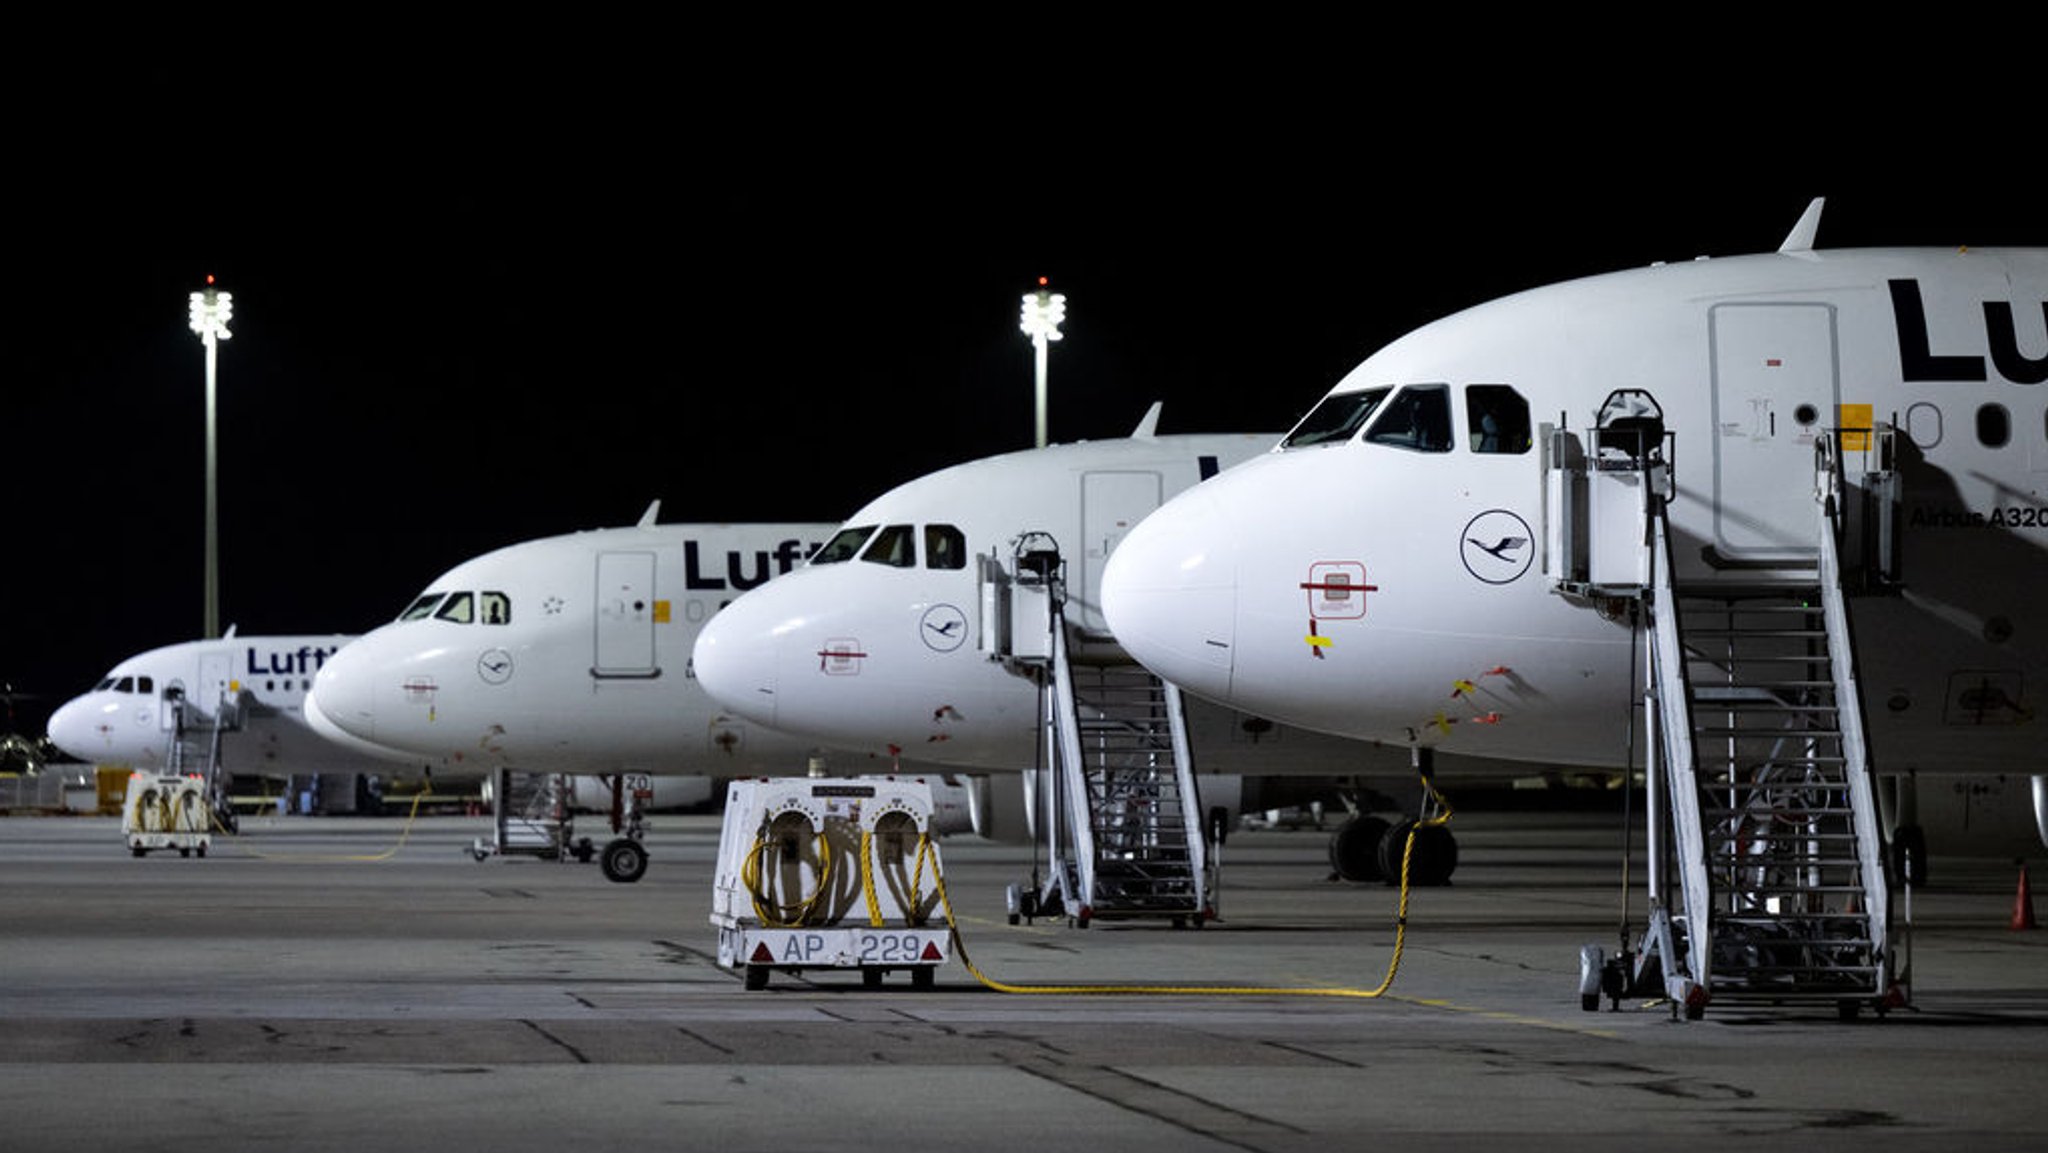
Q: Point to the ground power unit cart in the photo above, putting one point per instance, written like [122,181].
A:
[829,874]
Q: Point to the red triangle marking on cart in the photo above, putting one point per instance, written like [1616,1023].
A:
[931,952]
[761,953]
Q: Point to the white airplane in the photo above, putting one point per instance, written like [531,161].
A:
[1788,509]
[160,710]
[156,711]
[883,642]
[1382,573]
[568,654]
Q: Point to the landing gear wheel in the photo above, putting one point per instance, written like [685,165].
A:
[625,861]
[757,977]
[1433,860]
[1354,849]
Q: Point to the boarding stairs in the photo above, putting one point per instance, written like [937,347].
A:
[194,748]
[1120,818]
[530,815]
[1767,879]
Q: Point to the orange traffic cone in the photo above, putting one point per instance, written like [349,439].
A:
[2023,903]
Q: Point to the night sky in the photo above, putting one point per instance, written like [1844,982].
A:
[518,312]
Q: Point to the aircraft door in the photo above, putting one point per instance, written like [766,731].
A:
[215,670]
[1111,503]
[626,615]
[1776,386]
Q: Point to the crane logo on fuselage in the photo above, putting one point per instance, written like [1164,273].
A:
[943,628]
[1497,546]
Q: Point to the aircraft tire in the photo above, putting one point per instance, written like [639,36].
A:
[1434,860]
[625,861]
[1354,849]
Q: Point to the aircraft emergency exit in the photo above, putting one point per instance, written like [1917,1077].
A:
[1447,552]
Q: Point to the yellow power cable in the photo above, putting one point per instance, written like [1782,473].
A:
[404,834]
[783,915]
[1393,964]
[914,913]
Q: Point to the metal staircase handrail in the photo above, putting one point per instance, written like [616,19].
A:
[1190,799]
[1680,769]
[1849,702]
[1070,775]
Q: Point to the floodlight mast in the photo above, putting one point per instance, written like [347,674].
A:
[1043,313]
[211,310]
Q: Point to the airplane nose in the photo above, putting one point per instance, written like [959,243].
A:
[1169,593]
[735,656]
[342,703]
[78,727]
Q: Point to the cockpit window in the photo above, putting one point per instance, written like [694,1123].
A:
[844,545]
[1418,418]
[105,684]
[145,685]
[497,608]
[459,607]
[125,685]
[895,546]
[945,547]
[1497,418]
[420,608]
[1336,418]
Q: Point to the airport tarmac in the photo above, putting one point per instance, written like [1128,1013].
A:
[364,983]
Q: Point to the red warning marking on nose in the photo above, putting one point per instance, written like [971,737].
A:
[1336,590]
[841,656]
